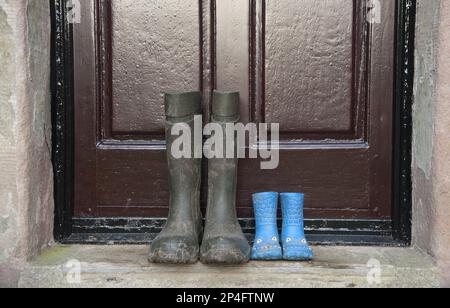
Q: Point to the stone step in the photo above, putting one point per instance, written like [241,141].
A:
[127,266]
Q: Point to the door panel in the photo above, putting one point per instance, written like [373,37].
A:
[155,48]
[311,76]
[316,67]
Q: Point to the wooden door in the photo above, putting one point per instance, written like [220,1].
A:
[318,68]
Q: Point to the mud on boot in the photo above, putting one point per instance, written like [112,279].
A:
[223,241]
[178,243]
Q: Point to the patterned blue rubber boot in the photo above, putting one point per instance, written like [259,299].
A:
[295,246]
[267,241]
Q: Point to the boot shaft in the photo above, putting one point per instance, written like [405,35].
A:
[266,209]
[181,109]
[181,105]
[184,173]
[222,172]
[225,107]
[266,214]
[292,205]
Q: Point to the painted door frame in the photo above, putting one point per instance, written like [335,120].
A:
[349,232]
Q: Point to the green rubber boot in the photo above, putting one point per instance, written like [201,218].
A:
[178,243]
[223,241]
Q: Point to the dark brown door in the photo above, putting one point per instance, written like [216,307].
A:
[318,68]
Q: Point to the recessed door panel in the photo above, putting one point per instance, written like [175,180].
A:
[309,65]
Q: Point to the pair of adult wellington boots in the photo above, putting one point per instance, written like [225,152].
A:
[267,241]
[183,239]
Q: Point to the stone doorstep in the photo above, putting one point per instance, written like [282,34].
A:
[127,266]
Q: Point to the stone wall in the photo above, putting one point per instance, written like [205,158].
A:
[431,166]
[26,179]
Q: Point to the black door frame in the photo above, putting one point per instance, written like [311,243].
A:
[125,231]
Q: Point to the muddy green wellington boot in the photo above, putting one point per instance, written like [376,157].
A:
[223,240]
[179,241]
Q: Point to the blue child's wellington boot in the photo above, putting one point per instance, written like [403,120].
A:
[295,246]
[267,240]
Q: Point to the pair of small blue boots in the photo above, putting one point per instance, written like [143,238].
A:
[267,241]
